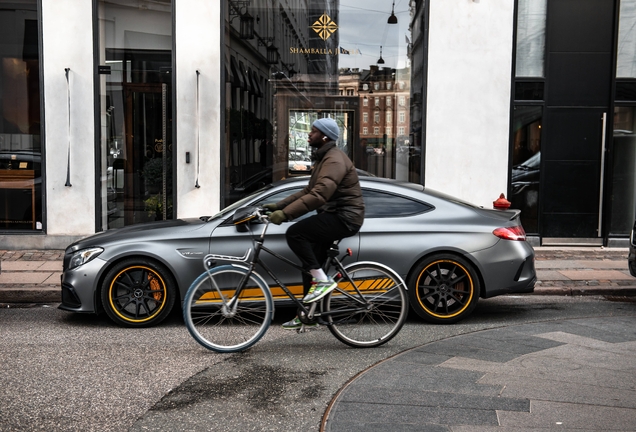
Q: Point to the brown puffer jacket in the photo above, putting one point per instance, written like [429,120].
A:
[333,187]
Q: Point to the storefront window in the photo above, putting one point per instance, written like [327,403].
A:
[531,24]
[624,171]
[526,161]
[626,53]
[135,49]
[312,59]
[20,144]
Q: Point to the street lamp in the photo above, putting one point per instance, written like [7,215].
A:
[246,29]
[392,19]
[247,26]
[380,60]
[272,54]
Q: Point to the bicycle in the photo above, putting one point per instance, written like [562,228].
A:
[229,308]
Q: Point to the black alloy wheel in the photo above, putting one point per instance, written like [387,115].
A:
[444,289]
[138,292]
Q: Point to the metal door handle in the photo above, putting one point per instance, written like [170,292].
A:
[600,198]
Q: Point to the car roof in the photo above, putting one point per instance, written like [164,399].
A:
[379,181]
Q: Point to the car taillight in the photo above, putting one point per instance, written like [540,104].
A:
[511,233]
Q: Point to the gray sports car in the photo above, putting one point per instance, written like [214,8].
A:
[448,251]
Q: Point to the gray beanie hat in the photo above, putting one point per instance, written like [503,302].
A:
[329,127]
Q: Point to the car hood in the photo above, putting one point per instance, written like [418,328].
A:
[141,232]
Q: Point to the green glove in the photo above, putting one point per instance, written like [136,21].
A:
[270,207]
[277,217]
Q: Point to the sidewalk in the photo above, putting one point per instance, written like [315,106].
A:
[31,276]
[559,375]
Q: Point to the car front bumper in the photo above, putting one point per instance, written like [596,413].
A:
[79,287]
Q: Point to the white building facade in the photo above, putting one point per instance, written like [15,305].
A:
[118,112]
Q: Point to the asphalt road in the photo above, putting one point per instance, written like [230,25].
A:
[67,372]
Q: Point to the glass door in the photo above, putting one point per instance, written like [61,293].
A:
[20,143]
[136,113]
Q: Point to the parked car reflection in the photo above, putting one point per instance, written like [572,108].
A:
[525,190]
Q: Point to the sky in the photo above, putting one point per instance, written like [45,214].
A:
[363,27]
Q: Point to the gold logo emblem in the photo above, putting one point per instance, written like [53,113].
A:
[325,27]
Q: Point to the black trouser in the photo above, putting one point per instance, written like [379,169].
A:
[311,238]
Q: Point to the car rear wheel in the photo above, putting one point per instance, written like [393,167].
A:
[138,293]
[444,289]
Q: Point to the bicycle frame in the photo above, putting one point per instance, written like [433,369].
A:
[252,263]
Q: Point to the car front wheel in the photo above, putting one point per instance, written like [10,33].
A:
[443,289]
[138,293]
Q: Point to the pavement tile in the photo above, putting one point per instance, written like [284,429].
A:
[21,265]
[538,388]
[544,275]
[459,347]
[409,414]
[53,279]
[383,427]
[507,334]
[539,329]
[552,415]
[380,395]
[430,378]
[592,343]
[23,277]
[583,264]
[54,266]
[595,275]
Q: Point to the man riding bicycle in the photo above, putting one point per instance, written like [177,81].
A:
[334,191]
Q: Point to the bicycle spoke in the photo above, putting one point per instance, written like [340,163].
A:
[224,325]
[371,314]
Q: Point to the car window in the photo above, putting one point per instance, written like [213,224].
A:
[271,199]
[381,204]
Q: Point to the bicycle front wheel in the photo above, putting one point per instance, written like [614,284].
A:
[370,311]
[222,320]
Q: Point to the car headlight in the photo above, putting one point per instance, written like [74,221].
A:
[83,256]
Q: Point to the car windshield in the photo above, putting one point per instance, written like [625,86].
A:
[238,203]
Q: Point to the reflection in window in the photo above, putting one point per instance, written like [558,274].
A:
[135,46]
[526,156]
[333,77]
[383,205]
[624,171]
[626,61]
[20,144]
[531,22]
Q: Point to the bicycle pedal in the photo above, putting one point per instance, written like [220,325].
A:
[305,329]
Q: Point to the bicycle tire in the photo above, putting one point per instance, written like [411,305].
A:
[385,313]
[209,322]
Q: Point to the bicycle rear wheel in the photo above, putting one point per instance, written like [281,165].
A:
[372,314]
[231,325]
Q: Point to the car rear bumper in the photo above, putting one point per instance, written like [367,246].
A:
[506,268]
